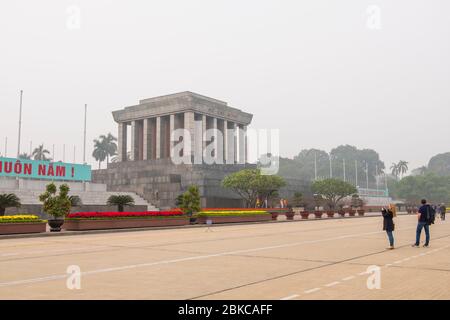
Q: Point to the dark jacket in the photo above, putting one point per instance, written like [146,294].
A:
[388,220]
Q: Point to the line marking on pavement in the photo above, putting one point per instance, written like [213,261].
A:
[311,290]
[348,278]
[186,259]
[332,284]
[363,273]
[290,297]
[398,261]
[388,265]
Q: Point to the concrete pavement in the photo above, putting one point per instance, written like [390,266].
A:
[322,260]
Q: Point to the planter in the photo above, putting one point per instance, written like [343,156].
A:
[192,220]
[304,214]
[290,215]
[55,224]
[91,224]
[23,227]
[330,214]
[341,213]
[351,213]
[274,216]
[234,219]
[361,212]
[318,214]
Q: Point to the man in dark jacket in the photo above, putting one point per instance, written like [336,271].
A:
[423,223]
[388,225]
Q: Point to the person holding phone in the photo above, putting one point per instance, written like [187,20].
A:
[388,224]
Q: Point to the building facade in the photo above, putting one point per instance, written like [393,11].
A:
[147,143]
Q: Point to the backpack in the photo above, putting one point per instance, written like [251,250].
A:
[431,215]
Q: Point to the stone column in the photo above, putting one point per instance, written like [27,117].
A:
[146,142]
[134,142]
[225,141]
[203,134]
[215,144]
[189,126]
[241,144]
[158,138]
[232,154]
[171,130]
[122,142]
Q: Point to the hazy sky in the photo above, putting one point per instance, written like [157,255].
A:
[324,72]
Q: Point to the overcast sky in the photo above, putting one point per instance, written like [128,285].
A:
[324,72]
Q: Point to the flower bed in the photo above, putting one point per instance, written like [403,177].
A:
[21,224]
[122,220]
[124,215]
[230,216]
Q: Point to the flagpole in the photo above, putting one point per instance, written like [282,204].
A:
[20,124]
[84,138]
[344,169]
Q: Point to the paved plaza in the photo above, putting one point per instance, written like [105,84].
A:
[325,259]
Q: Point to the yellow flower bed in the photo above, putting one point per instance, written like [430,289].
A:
[20,218]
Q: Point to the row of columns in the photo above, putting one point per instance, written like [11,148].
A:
[151,138]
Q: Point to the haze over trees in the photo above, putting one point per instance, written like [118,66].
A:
[308,162]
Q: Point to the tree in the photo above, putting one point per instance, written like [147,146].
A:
[440,164]
[100,153]
[333,190]
[40,153]
[8,200]
[402,167]
[120,201]
[297,200]
[250,183]
[434,188]
[75,201]
[419,171]
[395,170]
[109,144]
[190,201]
[25,156]
[104,148]
[56,205]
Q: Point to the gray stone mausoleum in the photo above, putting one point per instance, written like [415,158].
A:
[145,163]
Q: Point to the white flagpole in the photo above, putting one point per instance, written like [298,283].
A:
[20,124]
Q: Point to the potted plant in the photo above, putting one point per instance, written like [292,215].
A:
[341,210]
[56,205]
[304,214]
[190,203]
[274,215]
[8,200]
[290,214]
[120,201]
[330,212]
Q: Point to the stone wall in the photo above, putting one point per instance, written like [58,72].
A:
[160,181]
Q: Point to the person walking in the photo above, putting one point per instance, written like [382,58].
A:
[425,219]
[388,225]
[443,210]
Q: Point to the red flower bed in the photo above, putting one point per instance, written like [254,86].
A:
[244,209]
[144,214]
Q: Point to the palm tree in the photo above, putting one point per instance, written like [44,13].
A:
[395,170]
[402,167]
[8,200]
[99,152]
[109,145]
[25,156]
[40,153]
[120,201]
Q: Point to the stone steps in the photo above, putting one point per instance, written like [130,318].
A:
[31,197]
